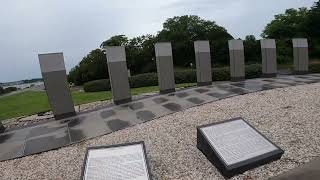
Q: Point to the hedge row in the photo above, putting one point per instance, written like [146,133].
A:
[181,76]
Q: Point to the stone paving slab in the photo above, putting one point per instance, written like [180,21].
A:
[55,134]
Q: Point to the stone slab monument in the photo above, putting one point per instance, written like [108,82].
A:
[300,55]
[269,57]
[57,87]
[203,63]
[165,70]
[237,66]
[118,74]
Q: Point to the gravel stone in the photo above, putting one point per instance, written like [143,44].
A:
[289,117]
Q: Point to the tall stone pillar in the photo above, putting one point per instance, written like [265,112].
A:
[118,74]
[237,66]
[203,62]
[56,84]
[269,57]
[165,67]
[300,55]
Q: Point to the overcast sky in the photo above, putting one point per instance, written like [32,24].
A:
[75,27]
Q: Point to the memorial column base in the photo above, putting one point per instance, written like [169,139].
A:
[65,115]
[167,91]
[235,79]
[204,83]
[269,75]
[301,72]
[122,101]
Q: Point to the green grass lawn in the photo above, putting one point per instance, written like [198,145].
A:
[32,102]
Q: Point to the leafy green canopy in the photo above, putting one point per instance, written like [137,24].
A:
[181,31]
[295,23]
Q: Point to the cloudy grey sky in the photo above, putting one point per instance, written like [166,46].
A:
[74,27]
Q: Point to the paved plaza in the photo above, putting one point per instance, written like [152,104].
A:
[54,134]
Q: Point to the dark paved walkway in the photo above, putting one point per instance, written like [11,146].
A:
[55,134]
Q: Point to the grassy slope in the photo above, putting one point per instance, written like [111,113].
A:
[31,102]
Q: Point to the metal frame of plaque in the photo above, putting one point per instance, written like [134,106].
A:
[83,171]
[228,166]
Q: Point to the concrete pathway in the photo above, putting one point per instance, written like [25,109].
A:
[55,134]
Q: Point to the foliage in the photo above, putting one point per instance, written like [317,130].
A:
[288,25]
[1,90]
[181,76]
[295,23]
[7,90]
[93,66]
[182,31]
[252,50]
[314,68]
[97,85]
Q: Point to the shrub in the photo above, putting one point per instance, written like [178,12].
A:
[141,80]
[181,76]
[185,76]
[314,68]
[97,85]
[10,89]
[253,71]
[221,74]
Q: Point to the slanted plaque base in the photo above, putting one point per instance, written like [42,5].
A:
[65,115]
[167,91]
[269,75]
[122,101]
[301,72]
[204,83]
[2,128]
[235,79]
[233,146]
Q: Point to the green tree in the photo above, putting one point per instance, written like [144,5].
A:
[288,25]
[252,49]
[1,90]
[182,31]
[291,24]
[92,67]
[313,29]
[119,40]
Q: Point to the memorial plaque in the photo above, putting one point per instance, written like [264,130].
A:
[234,146]
[121,162]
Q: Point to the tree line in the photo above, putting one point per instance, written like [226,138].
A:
[182,31]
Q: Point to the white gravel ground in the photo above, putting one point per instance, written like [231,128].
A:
[289,117]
